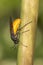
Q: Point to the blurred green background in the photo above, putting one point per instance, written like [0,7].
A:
[8,55]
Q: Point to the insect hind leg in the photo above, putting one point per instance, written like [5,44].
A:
[25,31]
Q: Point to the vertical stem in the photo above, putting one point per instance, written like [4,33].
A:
[29,13]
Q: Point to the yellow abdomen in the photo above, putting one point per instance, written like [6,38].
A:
[16,24]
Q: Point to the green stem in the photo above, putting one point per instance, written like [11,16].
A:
[29,12]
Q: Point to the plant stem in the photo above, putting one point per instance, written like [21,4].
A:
[29,13]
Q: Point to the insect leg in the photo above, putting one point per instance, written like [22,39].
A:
[25,31]
[24,25]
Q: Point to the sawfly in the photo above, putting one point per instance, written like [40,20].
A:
[15,29]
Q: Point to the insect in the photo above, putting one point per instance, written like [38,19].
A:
[15,29]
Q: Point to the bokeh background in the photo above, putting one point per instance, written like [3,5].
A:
[8,55]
